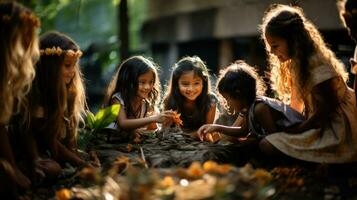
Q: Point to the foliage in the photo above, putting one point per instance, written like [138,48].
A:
[96,123]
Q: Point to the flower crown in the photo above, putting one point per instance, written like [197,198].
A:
[27,17]
[58,51]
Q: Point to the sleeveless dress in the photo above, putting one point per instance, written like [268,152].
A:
[145,110]
[336,140]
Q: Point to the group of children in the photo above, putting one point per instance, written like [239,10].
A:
[42,101]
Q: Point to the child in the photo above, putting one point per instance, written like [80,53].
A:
[348,13]
[329,135]
[136,88]
[189,93]
[55,103]
[241,88]
[18,52]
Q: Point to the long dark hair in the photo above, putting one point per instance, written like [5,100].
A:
[62,103]
[240,81]
[175,100]
[126,82]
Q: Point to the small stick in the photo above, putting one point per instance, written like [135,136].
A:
[143,157]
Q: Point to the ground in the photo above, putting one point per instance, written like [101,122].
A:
[173,165]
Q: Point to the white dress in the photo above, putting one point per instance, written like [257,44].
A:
[336,140]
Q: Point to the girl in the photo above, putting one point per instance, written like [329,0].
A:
[329,134]
[18,52]
[241,88]
[136,88]
[55,103]
[189,93]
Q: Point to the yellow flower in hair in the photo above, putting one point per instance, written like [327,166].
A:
[58,51]
[79,53]
[70,53]
[48,51]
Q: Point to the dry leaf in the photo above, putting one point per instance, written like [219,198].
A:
[177,119]
[63,194]
[152,126]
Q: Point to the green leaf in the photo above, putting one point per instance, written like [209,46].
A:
[84,139]
[106,116]
[90,120]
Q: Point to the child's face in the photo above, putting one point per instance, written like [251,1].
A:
[69,68]
[190,85]
[233,103]
[278,47]
[145,84]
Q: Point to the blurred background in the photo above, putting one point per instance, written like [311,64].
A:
[219,31]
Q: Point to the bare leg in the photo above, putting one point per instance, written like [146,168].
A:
[269,149]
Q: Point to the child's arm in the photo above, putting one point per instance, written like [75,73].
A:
[295,102]
[327,102]
[227,130]
[264,116]
[211,114]
[7,154]
[67,155]
[130,124]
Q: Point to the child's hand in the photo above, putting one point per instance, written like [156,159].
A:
[94,160]
[165,117]
[205,129]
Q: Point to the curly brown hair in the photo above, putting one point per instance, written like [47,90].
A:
[306,49]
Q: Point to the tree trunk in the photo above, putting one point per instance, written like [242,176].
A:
[123,29]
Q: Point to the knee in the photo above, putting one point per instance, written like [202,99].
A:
[266,147]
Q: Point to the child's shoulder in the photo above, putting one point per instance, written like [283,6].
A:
[117,98]
[262,105]
[212,98]
[320,73]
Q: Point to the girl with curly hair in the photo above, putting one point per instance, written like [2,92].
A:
[18,53]
[298,53]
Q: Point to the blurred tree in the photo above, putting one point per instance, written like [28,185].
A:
[123,29]
[99,29]
[94,21]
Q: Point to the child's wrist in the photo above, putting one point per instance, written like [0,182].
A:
[154,119]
